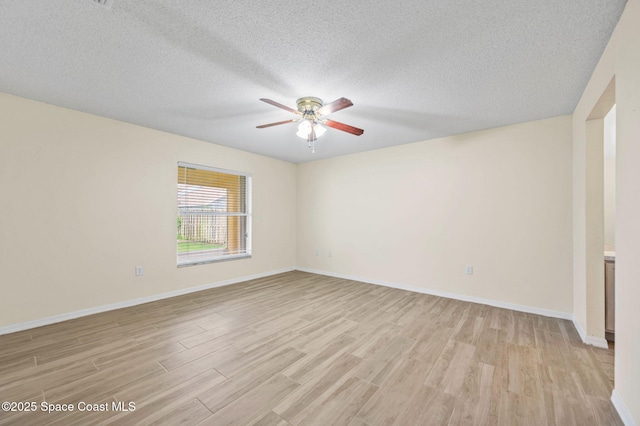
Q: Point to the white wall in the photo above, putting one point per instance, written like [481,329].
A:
[84,199]
[620,59]
[415,215]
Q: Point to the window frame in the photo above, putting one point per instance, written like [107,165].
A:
[247,214]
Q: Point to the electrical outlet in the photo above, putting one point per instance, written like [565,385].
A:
[317,253]
[468,269]
[330,254]
[139,271]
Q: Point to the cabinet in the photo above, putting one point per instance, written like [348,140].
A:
[610,299]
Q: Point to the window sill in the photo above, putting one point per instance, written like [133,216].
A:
[217,260]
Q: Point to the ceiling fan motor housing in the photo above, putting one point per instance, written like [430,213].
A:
[309,104]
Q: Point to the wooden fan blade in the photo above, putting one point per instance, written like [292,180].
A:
[334,106]
[276,124]
[343,127]
[279,105]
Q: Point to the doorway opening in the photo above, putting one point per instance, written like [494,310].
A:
[609,224]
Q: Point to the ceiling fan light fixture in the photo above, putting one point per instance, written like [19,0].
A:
[304,128]
[319,129]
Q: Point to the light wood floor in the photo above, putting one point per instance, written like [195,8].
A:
[299,348]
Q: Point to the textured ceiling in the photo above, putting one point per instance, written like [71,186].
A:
[414,69]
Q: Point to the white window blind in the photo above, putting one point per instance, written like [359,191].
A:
[214,214]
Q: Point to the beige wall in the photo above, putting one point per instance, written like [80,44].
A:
[620,59]
[594,133]
[85,199]
[415,215]
[609,204]
[610,180]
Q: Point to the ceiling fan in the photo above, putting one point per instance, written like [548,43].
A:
[311,114]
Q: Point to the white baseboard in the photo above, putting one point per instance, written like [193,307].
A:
[127,303]
[589,340]
[456,296]
[598,342]
[622,409]
[579,329]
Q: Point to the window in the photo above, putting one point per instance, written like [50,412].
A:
[214,214]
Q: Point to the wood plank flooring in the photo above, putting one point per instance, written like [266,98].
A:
[298,349]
